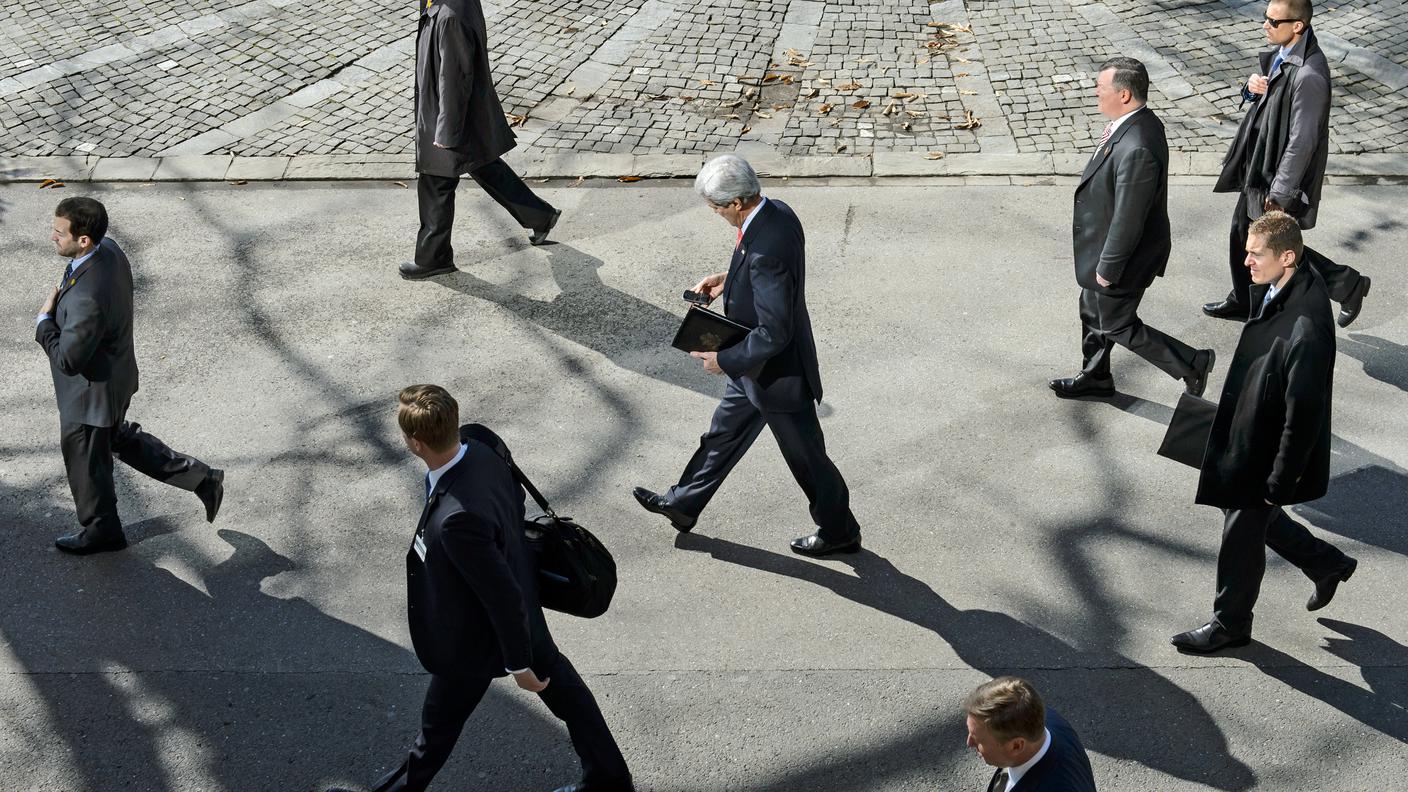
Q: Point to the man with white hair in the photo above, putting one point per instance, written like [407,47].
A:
[773,378]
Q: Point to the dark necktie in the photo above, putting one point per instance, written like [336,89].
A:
[68,273]
[427,486]
[999,781]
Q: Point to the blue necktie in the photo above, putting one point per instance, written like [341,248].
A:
[1275,64]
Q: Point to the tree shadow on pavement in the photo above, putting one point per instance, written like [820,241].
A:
[628,331]
[996,643]
[157,668]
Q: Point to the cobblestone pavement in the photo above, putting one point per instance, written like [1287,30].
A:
[141,78]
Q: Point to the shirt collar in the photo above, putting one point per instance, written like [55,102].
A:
[1014,774]
[434,475]
[1120,121]
[78,262]
[753,214]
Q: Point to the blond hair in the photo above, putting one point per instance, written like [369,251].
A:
[429,414]
[1009,707]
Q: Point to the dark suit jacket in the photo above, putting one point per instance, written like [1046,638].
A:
[1120,225]
[456,104]
[1283,142]
[766,290]
[89,340]
[473,601]
[1064,768]
[1270,439]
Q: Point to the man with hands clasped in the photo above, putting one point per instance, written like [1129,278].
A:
[773,378]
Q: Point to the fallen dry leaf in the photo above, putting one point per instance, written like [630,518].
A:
[903,94]
[921,61]
[686,99]
[746,130]
[890,108]
[823,109]
[578,182]
[763,115]
[807,93]
[847,87]
[780,107]
[914,113]
[242,182]
[840,148]
[962,60]
[767,78]
[732,116]
[905,126]
[970,121]
[706,82]
[628,179]
[515,120]
[860,104]
[750,93]
[934,155]
[50,184]
[734,103]
[962,74]
[864,60]
[966,92]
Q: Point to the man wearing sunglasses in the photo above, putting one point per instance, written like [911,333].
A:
[1277,161]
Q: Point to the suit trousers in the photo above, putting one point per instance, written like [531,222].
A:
[88,452]
[1241,561]
[449,701]
[1341,281]
[736,424]
[1109,319]
[436,197]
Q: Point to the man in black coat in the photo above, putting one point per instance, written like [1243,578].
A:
[1121,238]
[1270,442]
[460,128]
[472,599]
[773,378]
[1277,160]
[85,328]
[1033,748]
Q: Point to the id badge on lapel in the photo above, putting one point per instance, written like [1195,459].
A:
[419,546]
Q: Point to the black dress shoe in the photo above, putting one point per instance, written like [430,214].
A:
[1325,587]
[410,271]
[80,542]
[1349,309]
[1197,382]
[1083,384]
[624,785]
[1227,309]
[817,547]
[657,503]
[540,235]
[1211,637]
[211,492]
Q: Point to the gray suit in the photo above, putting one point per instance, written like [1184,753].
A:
[1120,231]
[88,341]
[1280,153]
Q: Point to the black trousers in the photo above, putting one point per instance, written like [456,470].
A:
[736,424]
[449,701]
[1109,319]
[88,452]
[436,196]
[1241,562]
[1341,281]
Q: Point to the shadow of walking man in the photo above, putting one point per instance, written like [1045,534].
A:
[1117,692]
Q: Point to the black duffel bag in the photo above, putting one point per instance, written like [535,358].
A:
[576,573]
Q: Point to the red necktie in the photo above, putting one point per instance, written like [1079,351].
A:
[1104,136]
[740,237]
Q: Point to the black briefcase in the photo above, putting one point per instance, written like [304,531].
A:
[1188,431]
[576,573]
[705,331]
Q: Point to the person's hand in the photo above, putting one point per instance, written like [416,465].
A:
[49,302]
[712,285]
[529,681]
[437,144]
[1271,206]
[711,361]
[1268,503]
[1100,279]
[1257,84]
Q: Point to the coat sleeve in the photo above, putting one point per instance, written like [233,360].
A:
[1136,185]
[72,346]
[469,542]
[1308,369]
[454,81]
[774,295]
[1310,102]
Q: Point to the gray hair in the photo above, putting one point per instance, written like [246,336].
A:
[1130,75]
[726,177]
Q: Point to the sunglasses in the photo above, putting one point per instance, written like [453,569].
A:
[1279,22]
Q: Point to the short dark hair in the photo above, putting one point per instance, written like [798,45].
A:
[429,414]
[85,216]
[1009,707]
[1299,9]
[1130,75]
[1281,232]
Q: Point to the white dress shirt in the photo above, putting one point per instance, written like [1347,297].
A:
[752,215]
[1014,774]
[1118,122]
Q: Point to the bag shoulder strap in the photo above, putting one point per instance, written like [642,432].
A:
[487,436]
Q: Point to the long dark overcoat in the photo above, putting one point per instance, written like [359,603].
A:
[1270,440]
[456,105]
[1283,143]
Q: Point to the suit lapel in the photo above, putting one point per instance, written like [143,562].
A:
[440,487]
[1101,156]
[82,270]
[741,252]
